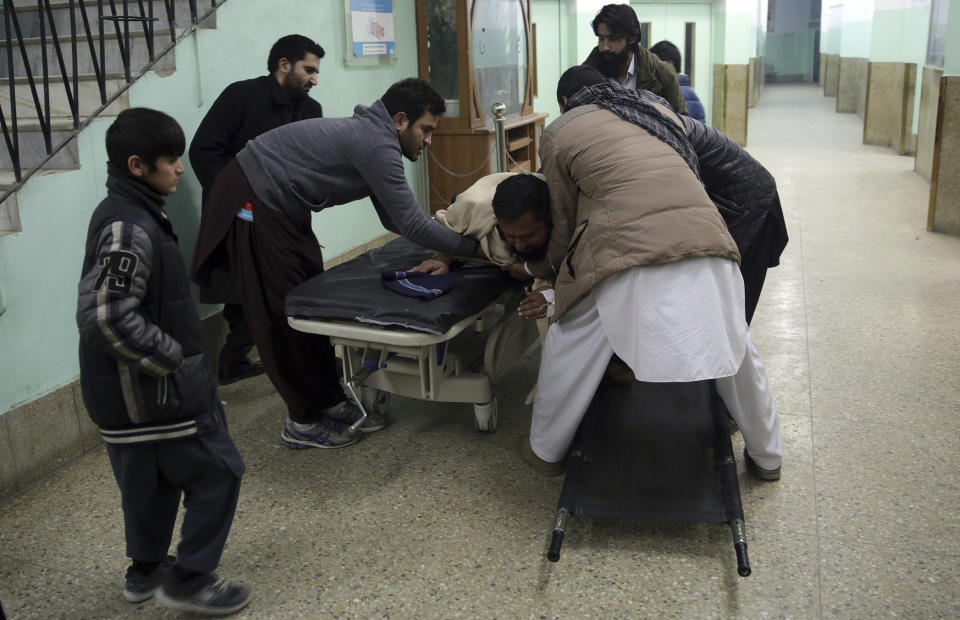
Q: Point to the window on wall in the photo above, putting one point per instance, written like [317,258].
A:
[645,35]
[689,49]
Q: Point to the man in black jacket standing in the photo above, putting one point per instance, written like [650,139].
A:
[243,111]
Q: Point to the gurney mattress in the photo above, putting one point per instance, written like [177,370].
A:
[353,291]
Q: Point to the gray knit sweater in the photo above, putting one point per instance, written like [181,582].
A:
[318,163]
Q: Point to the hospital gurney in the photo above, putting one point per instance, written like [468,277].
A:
[654,451]
[447,349]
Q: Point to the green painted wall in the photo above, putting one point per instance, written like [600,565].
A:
[550,16]
[718,37]
[900,35]
[856,40]
[830,41]
[585,39]
[951,56]
[831,28]
[40,267]
[739,39]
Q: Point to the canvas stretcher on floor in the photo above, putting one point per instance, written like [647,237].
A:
[654,451]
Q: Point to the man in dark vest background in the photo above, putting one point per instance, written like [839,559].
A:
[243,111]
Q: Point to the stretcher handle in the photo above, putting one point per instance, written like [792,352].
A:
[557,539]
[743,562]
[739,531]
[555,542]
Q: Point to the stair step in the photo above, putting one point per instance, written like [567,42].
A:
[9,181]
[33,150]
[30,139]
[88,96]
[139,56]
[9,215]
[29,18]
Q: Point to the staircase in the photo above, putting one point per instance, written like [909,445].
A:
[65,62]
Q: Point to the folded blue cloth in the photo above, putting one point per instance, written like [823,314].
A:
[416,284]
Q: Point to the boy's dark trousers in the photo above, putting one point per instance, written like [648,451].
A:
[206,468]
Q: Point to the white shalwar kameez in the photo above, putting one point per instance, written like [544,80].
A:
[679,322]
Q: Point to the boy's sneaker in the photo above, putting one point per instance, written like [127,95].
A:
[348,412]
[140,586]
[325,433]
[205,594]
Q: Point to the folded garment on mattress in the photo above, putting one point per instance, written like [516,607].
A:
[353,291]
[416,284]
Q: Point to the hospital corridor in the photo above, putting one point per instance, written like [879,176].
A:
[859,330]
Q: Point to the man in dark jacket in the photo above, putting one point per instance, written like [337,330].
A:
[258,218]
[145,380]
[746,194]
[243,111]
[621,59]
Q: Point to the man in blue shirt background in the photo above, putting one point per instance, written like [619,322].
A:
[668,52]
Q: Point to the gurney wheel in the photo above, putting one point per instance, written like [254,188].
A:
[374,400]
[485,416]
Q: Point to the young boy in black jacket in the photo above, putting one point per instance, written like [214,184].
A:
[146,382]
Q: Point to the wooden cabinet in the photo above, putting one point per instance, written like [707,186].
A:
[476,53]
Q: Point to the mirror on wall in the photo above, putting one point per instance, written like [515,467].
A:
[442,51]
[499,55]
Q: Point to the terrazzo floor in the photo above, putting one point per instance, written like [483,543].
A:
[430,519]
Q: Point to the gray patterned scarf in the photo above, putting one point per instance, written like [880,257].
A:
[636,106]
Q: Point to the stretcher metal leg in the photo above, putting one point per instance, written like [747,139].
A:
[353,386]
[556,540]
[740,546]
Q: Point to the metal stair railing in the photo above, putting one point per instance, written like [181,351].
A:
[121,18]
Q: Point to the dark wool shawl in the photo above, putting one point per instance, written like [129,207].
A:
[636,106]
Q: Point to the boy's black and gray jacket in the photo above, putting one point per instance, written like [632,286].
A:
[143,373]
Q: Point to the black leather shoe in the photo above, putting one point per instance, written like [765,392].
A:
[231,373]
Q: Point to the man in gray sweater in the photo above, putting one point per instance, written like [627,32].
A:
[256,233]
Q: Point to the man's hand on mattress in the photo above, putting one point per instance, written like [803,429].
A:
[517,271]
[537,305]
[432,266]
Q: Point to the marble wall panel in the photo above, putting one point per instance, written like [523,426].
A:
[927,126]
[736,101]
[852,84]
[43,435]
[944,213]
[883,104]
[719,87]
[831,73]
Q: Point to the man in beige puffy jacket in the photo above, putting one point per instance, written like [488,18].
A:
[644,268]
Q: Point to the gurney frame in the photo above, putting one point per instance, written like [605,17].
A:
[442,367]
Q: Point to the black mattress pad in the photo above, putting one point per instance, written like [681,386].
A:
[353,291]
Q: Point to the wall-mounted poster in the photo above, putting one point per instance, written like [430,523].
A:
[372,27]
